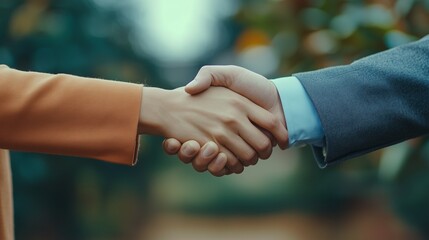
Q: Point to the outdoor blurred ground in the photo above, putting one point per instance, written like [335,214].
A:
[163,43]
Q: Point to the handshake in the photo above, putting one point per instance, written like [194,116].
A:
[226,119]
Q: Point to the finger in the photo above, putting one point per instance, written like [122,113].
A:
[207,154]
[256,139]
[233,165]
[171,146]
[218,166]
[269,122]
[270,136]
[245,153]
[188,151]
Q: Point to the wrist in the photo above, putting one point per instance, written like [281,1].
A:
[151,112]
[278,106]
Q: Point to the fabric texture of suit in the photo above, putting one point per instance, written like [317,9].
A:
[372,103]
[65,115]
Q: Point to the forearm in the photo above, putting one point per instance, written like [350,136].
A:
[69,115]
[374,102]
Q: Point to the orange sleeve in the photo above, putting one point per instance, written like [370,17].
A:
[6,202]
[69,115]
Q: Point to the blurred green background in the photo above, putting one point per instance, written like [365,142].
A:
[163,43]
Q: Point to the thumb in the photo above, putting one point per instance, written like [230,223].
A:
[198,85]
[209,76]
[240,80]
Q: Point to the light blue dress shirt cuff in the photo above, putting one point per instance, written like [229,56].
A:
[303,122]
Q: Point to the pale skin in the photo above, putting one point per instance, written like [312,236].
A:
[251,85]
[221,120]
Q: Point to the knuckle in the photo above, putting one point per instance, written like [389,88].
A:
[263,145]
[219,134]
[249,158]
[229,120]
[267,154]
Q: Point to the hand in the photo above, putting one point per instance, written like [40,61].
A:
[189,151]
[217,115]
[244,82]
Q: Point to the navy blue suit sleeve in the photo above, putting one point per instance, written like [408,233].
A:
[372,103]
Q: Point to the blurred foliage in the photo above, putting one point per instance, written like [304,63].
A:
[68,198]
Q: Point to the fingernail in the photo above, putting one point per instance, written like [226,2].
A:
[208,151]
[188,151]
